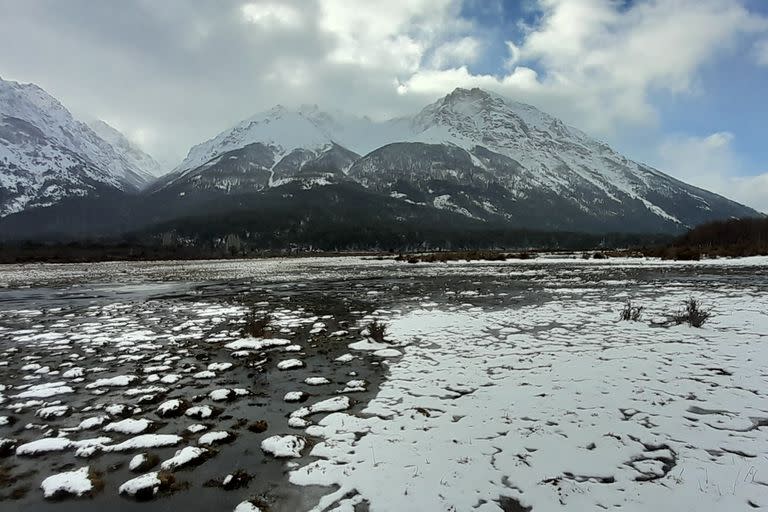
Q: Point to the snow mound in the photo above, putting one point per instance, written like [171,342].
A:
[316,381]
[283,446]
[294,396]
[256,343]
[128,426]
[144,487]
[48,444]
[187,456]
[69,483]
[290,364]
[145,441]
[215,437]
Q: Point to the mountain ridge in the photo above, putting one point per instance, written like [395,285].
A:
[46,154]
[548,161]
[471,153]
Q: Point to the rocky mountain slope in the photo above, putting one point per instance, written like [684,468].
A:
[471,152]
[46,155]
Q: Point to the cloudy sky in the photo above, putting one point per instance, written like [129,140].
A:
[679,84]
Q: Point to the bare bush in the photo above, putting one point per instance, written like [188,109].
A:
[631,313]
[692,314]
[377,331]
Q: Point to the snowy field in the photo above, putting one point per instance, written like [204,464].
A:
[503,386]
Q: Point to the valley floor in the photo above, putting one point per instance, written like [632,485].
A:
[506,386]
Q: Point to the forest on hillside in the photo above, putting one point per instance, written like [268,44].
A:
[730,238]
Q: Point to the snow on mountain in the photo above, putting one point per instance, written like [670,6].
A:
[306,128]
[473,152]
[127,149]
[47,155]
[560,158]
[36,171]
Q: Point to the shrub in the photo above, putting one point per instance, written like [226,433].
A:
[377,331]
[255,325]
[692,314]
[686,254]
[258,426]
[631,313]
[525,255]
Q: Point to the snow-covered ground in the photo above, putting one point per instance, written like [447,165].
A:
[560,406]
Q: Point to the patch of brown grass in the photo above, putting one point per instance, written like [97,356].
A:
[256,326]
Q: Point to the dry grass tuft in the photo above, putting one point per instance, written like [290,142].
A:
[256,326]
[631,313]
[692,314]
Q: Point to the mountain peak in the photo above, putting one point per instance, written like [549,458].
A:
[48,154]
[462,93]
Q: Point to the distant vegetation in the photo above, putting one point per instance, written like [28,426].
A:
[731,238]
[419,240]
[428,244]
[445,256]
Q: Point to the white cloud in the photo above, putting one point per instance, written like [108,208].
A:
[391,35]
[199,68]
[514,54]
[761,52]
[271,15]
[701,161]
[710,162]
[599,62]
[430,83]
[751,190]
[456,53]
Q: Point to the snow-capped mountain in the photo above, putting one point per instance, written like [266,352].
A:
[46,155]
[129,151]
[472,152]
[471,155]
[284,133]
